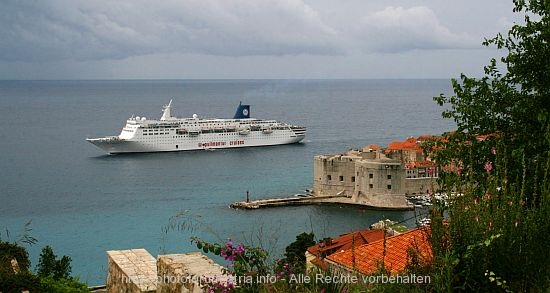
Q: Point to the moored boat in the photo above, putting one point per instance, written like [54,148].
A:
[180,134]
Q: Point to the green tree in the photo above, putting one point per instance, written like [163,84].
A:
[14,269]
[53,275]
[49,265]
[295,252]
[498,161]
[513,105]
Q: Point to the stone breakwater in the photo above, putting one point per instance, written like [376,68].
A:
[385,203]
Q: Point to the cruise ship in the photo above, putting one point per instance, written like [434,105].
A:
[183,134]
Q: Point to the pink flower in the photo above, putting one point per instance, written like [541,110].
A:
[476,200]
[240,249]
[494,150]
[488,167]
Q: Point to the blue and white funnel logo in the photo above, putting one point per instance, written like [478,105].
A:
[243,112]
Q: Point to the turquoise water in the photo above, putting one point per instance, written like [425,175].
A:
[82,202]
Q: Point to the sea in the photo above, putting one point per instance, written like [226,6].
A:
[83,202]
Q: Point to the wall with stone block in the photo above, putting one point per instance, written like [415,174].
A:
[186,273]
[131,271]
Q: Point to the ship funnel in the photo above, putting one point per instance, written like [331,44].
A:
[243,111]
[166,115]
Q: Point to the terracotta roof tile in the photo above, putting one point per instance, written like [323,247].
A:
[373,147]
[410,144]
[346,241]
[367,258]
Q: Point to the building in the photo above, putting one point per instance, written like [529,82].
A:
[392,254]
[376,177]
[316,254]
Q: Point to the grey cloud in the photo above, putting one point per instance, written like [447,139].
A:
[101,30]
[398,29]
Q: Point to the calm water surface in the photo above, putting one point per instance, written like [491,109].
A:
[83,202]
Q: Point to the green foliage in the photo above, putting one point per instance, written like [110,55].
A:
[70,285]
[20,282]
[53,275]
[49,265]
[295,253]
[245,264]
[9,252]
[499,183]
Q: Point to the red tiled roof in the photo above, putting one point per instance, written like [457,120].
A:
[367,258]
[408,145]
[374,147]
[346,241]
[411,143]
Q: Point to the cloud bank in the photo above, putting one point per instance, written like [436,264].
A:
[89,30]
[80,30]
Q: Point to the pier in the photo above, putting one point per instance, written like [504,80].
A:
[308,200]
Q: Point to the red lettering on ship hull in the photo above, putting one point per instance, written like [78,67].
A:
[236,142]
[212,144]
[220,143]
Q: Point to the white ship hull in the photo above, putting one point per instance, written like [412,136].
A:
[184,134]
[116,145]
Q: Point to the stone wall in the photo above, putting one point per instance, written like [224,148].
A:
[186,273]
[367,177]
[131,271]
[420,185]
[334,175]
[379,177]
[136,271]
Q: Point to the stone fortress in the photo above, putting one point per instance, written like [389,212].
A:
[377,177]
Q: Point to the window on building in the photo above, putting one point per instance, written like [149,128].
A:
[370,186]
[329,177]
[341,178]
[352,178]
[389,186]
[389,176]
[371,176]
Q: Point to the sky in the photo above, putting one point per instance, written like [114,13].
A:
[242,39]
